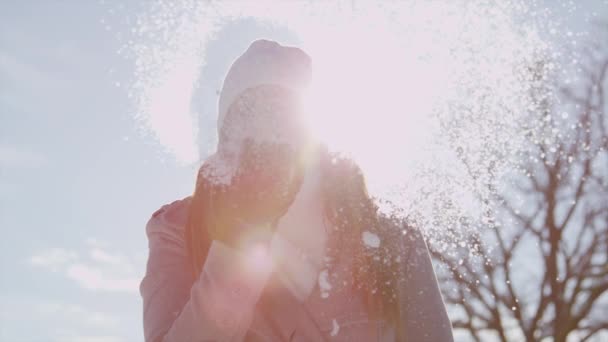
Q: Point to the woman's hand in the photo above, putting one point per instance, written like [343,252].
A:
[263,187]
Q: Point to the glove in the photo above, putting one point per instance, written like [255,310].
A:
[263,187]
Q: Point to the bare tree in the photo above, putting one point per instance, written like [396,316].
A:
[541,269]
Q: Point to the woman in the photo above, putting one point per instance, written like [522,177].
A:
[280,240]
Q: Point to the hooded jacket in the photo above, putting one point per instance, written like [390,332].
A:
[226,304]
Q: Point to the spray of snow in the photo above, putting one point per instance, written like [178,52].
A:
[371,240]
[324,284]
[219,170]
[335,328]
[440,88]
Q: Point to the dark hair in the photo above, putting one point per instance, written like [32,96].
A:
[351,212]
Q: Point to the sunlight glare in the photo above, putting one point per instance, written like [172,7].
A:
[428,97]
[369,91]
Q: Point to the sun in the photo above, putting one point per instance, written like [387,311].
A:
[401,87]
[372,101]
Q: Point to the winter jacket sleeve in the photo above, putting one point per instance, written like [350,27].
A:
[217,306]
[423,312]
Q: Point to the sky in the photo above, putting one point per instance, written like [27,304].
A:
[78,178]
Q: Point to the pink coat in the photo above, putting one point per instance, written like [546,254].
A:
[224,304]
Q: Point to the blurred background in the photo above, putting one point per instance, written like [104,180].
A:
[83,166]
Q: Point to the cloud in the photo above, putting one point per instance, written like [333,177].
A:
[17,71]
[89,338]
[94,278]
[102,256]
[57,320]
[72,312]
[53,259]
[99,270]
[12,156]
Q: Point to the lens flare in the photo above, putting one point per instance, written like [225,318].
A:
[258,260]
[428,97]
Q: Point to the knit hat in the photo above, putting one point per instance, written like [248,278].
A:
[264,63]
